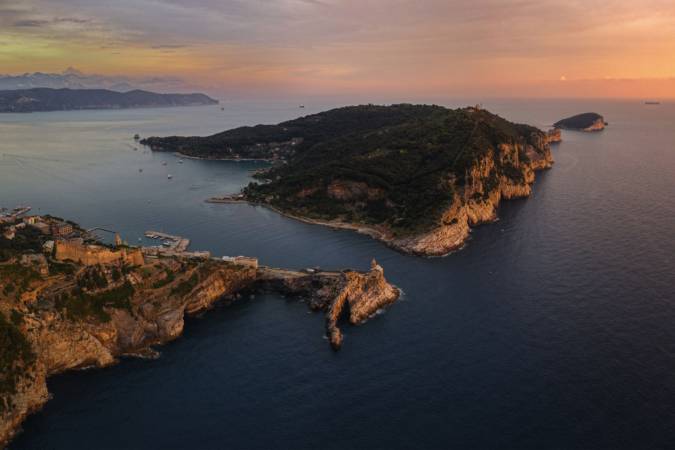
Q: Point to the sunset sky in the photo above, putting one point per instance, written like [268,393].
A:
[589,48]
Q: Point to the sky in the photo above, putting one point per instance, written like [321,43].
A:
[442,48]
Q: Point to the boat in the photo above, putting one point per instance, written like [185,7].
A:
[652,103]
[137,137]
[180,161]
[140,170]
[222,109]
[164,163]
[302,106]
[169,176]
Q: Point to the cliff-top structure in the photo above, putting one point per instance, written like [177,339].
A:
[417,177]
[65,304]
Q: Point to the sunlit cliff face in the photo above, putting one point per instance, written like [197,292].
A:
[451,47]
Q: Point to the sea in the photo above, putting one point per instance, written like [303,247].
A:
[553,328]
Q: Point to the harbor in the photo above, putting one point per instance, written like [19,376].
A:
[170,241]
[11,216]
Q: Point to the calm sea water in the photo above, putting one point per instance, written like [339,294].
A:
[554,328]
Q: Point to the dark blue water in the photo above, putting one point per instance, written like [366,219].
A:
[554,328]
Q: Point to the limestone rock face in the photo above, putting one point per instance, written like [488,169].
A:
[352,295]
[597,125]
[155,316]
[364,295]
[502,173]
[477,201]
[63,340]
[554,135]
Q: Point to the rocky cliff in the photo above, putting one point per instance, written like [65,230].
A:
[417,177]
[354,295]
[477,201]
[554,135]
[65,334]
[361,296]
[506,173]
[73,322]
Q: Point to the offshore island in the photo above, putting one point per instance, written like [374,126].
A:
[588,122]
[416,177]
[69,301]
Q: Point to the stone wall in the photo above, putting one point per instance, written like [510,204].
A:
[90,255]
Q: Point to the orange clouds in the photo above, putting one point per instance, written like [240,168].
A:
[453,47]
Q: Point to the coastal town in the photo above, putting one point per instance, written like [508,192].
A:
[70,301]
[65,240]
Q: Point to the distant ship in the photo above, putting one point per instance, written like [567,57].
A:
[164,163]
[652,103]
[180,161]
[302,106]
[169,176]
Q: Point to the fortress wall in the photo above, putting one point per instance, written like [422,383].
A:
[90,255]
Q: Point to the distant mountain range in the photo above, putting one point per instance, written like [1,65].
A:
[74,79]
[47,99]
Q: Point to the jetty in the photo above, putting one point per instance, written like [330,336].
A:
[175,243]
[231,198]
[14,214]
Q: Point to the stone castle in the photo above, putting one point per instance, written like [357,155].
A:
[89,255]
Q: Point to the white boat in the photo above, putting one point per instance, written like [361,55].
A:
[169,176]
[180,161]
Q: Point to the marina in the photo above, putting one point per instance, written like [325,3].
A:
[175,243]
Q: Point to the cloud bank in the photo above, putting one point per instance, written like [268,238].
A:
[331,46]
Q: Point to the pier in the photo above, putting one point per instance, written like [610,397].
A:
[13,214]
[233,198]
[176,243]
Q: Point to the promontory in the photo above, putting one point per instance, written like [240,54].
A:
[414,176]
[68,301]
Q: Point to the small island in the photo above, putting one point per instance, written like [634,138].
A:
[69,301]
[582,122]
[417,177]
[47,99]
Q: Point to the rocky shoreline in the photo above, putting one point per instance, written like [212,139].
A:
[144,306]
[201,158]
[474,206]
